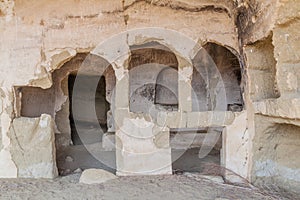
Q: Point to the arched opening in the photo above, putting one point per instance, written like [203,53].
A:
[101,107]
[152,78]
[216,86]
[228,67]
[57,101]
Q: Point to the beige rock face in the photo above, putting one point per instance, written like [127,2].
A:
[7,166]
[235,147]
[270,46]
[275,150]
[142,148]
[32,147]
[255,45]
[108,142]
[6,9]
[262,70]
[96,176]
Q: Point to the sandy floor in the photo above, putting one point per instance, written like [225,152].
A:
[187,160]
[189,183]
[185,186]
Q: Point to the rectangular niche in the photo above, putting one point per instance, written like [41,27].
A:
[262,70]
[36,101]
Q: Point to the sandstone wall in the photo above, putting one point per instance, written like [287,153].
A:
[271,50]
[32,147]
[37,40]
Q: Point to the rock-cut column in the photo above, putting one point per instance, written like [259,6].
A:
[142,148]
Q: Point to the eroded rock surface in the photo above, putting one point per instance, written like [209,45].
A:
[42,43]
[32,147]
[96,176]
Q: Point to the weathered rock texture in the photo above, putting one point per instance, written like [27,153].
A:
[96,176]
[41,46]
[32,147]
[268,32]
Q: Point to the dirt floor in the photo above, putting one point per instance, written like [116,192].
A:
[204,181]
[183,160]
[185,186]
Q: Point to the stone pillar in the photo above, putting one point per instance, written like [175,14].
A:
[185,71]
[235,147]
[142,148]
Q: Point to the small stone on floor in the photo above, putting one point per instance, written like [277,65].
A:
[96,176]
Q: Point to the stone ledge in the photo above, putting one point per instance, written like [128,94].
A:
[283,108]
[195,119]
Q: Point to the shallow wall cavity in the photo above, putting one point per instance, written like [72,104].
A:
[36,101]
[153,78]
[262,70]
